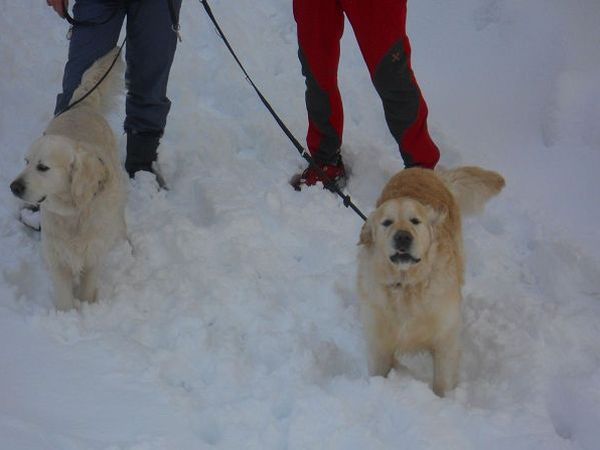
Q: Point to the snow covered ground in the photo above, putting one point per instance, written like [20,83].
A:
[233,324]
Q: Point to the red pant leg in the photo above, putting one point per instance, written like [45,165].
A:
[380,29]
[320,26]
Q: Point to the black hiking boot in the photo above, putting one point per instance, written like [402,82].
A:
[142,154]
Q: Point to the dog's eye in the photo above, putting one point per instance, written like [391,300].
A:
[42,168]
[386,223]
[415,221]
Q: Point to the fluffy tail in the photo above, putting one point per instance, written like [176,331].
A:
[103,96]
[472,187]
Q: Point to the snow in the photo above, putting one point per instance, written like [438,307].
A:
[233,323]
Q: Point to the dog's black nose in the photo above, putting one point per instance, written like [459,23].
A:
[17,187]
[402,240]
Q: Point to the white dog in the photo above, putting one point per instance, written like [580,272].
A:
[411,267]
[73,173]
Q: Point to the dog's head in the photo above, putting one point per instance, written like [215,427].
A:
[401,231]
[58,167]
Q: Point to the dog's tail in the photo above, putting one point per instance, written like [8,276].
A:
[101,97]
[472,187]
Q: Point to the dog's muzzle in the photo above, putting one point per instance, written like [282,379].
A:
[402,242]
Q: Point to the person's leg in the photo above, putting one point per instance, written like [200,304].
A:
[88,43]
[151,44]
[380,30]
[320,24]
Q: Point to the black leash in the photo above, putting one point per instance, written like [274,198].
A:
[329,184]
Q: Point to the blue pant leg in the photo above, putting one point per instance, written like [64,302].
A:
[88,43]
[151,44]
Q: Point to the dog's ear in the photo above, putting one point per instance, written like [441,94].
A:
[437,216]
[88,174]
[366,233]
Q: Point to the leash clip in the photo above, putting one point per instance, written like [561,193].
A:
[69,34]
[176,28]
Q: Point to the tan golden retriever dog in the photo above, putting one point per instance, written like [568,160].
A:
[73,173]
[411,267]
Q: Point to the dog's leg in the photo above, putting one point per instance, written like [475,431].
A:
[380,347]
[87,285]
[381,360]
[446,359]
[62,278]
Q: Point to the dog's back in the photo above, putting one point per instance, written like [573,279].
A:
[101,98]
[85,120]
[455,192]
